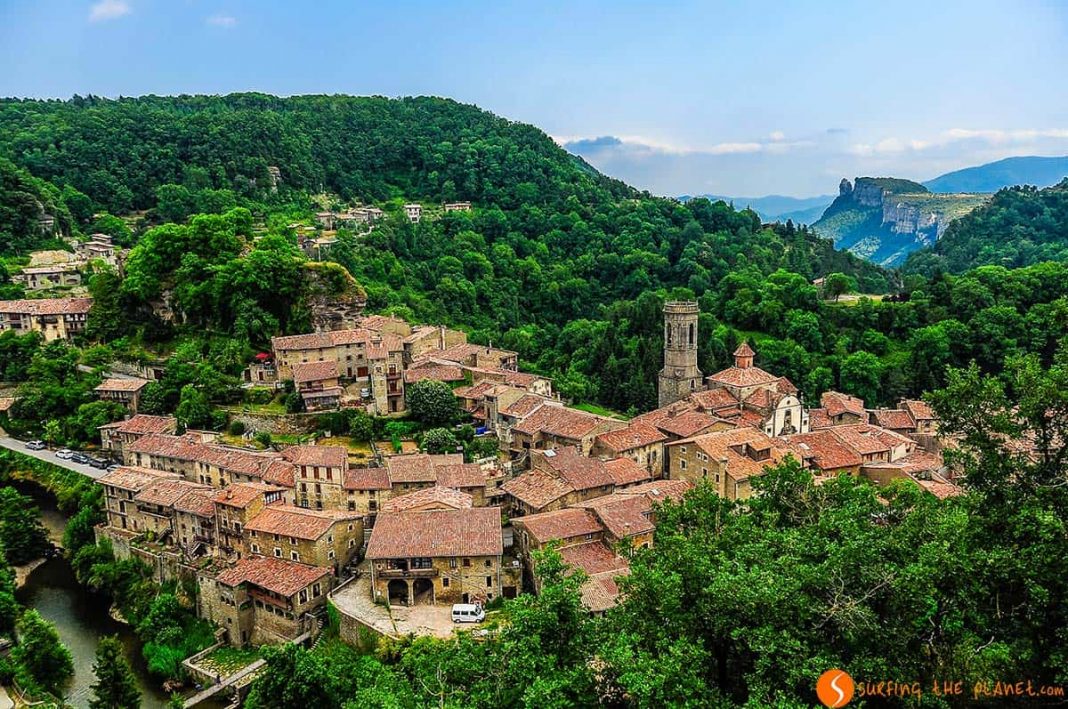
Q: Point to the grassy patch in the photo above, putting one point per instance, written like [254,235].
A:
[228,660]
[600,411]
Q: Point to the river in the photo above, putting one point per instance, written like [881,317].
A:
[80,617]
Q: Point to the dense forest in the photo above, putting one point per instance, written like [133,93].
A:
[1020,226]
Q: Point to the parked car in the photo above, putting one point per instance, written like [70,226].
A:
[113,467]
[365,393]
[35,445]
[79,457]
[64,453]
[467,613]
[98,463]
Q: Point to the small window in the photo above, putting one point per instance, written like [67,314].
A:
[278,552]
[255,548]
[445,582]
[467,562]
[452,563]
[294,556]
[489,582]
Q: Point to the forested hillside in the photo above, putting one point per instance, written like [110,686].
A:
[1019,227]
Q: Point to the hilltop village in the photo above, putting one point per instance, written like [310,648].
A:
[397,537]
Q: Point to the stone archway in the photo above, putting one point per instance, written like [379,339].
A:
[398,592]
[423,592]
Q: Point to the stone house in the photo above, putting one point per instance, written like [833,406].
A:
[120,488]
[896,420]
[53,318]
[45,277]
[418,470]
[235,507]
[558,478]
[115,436]
[558,427]
[414,212]
[479,356]
[123,391]
[319,475]
[318,384]
[640,441]
[923,415]
[194,524]
[264,600]
[154,511]
[319,537]
[842,408]
[728,460]
[456,206]
[438,556]
[824,453]
[366,490]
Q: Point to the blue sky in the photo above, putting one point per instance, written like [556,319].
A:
[730,98]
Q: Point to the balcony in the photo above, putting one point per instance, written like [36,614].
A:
[406,573]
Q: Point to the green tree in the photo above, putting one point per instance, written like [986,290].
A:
[9,606]
[115,686]
[432,402]
[838,284]
[194,410]
[860,375]
[439,440]
[21,533]
[41,659]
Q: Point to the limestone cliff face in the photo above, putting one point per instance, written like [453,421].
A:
[884,219]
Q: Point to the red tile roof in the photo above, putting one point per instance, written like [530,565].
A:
[838,403]
[47,306]
[197,502]
[143,424]
[133,478]
[712,399]
[579,471]
[742,377]
[130,385]
[659,490]
[325,455]
[625,471]
[241,495]
[367,479]
[267,467]
[292,521]
[283,577]
[418,467]
[897,419]
[637,434]
[744,350]
[622,515]
[437,533]
[166,493]
[722,445]
[537,488]
[818,418]
[523,406]
[920,410]
[823,450]
[688,424]
[436,372]
[460,475]
[567,523]
[593,558]
[314,371]
[436,495]
[561,422]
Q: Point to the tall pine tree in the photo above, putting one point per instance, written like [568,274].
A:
[115,687]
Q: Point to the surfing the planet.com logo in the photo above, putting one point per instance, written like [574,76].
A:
[835,689]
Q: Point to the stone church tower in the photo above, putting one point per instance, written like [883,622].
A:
[680,375]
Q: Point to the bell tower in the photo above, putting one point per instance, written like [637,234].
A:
[680,375]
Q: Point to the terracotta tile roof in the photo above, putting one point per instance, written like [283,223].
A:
[537,488]
[687,424]
[785,386]
[377,322]
[167,492]
[47,306]
[622,515]
[742,377]
[418,467]
[523,406]
[892,419]
[366,479]
[625,471]
[567,523]
[197,502]
[818,418]
[6,402]
[283,577]
[143,424]
[462,352]
[561,422]
[920,410]
[579,471]
[637,434]
[823,450]
[436,372]
[325,456]
[460,475]
[133,478]
[920,461]
[446,496]
[744,350]
[764,399]
[314,371]
[659,490]
[593,558]
[838,403]
[292,521]
[712,399]
[437,533]
[264,466]
[122,385]
[863,438]
[475,391]
[241,495]
[941,489]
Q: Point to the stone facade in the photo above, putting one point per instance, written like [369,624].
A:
[680,375]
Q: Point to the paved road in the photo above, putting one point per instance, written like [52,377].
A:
[50,457]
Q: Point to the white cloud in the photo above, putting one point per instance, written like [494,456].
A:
[222,20]
[108,10]
[777,135]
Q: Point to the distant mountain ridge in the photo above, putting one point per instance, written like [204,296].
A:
[991,177]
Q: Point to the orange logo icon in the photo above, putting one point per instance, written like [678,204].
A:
[835,688]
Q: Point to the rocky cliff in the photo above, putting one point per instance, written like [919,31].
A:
[885,219]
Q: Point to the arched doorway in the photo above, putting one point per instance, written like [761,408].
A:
[423,590]
[398,592]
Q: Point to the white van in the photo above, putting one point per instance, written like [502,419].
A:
[467,613]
